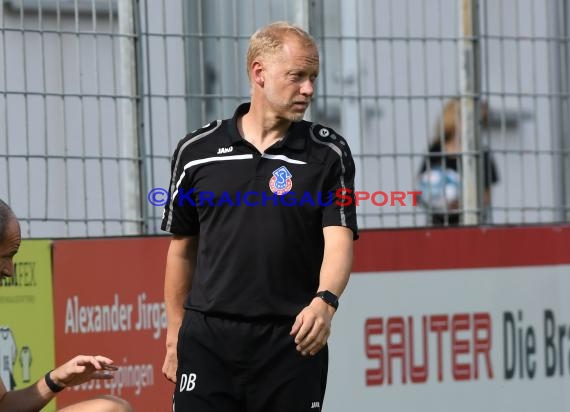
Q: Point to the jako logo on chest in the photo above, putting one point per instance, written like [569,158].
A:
[222,150]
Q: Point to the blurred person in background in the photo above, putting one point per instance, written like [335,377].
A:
[76,371]
[439,176]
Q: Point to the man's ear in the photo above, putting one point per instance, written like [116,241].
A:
[257,73]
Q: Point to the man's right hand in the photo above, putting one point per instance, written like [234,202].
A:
[180,264]
[170,365]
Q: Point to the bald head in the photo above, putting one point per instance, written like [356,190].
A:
[6,215]
[10,239]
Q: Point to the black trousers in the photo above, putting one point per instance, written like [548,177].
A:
[237,365]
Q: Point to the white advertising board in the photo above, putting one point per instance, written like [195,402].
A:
[470,340]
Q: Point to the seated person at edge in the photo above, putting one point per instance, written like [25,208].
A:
[76,371]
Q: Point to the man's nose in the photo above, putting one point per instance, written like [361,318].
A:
[308,88]
[7,268]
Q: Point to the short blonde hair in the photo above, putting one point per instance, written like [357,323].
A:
[447,125]
[269,40]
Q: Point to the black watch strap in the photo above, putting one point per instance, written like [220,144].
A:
[329,297]
[54,387]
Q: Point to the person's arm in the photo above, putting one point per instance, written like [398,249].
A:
[75,372]
[180,265]
[312,326]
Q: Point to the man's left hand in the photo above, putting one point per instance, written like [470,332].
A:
[312,327]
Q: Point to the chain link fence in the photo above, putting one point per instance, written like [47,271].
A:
[95,94]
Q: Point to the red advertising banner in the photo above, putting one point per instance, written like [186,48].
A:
[108,298]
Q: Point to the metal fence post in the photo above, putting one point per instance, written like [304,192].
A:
[469,88]
[559,61]
[130,172]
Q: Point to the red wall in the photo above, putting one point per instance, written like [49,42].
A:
[424,249]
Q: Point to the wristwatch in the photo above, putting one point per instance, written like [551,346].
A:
[329,297]
[54,387]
